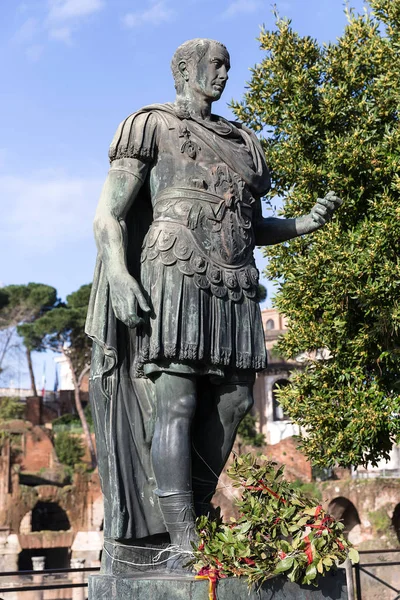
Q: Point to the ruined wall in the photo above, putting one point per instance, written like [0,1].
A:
[34,495]
[376,502]
[38,451]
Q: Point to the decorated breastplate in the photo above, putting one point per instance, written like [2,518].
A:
[207,236]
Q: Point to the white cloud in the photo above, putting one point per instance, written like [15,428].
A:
[27,31]
[240,7]
[54,20]
[156,14]
[62,34]
[65,10]
[64,16]
[38,212]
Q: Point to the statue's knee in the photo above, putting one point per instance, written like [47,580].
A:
[183,406]
[244,405]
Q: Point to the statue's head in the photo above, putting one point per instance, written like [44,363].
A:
[201,65]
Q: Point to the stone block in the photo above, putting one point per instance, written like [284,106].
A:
[111,587]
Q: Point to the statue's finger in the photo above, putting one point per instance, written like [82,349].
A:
[320,219]
[323,211]
[327,203]
[141,300]
[118,314]
[332,197]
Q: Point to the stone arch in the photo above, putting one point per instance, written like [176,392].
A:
[396,521]
[270,324]
[26,523]
[49,516]
[277,412]
[343,509]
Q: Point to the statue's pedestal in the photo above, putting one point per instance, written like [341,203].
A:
[111,587]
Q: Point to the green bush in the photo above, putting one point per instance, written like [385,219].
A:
[88,415]
[73,419]
[380,521]
[10,408]
[69,449]
[248,432]
[67,419]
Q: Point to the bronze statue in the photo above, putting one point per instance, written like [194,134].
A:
[174,314]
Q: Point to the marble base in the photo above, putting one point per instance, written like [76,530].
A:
[111,587]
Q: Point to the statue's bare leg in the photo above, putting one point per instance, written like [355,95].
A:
[171,455]
[220,411]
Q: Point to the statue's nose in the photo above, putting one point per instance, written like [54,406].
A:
[222,73]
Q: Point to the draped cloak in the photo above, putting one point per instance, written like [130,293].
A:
[122,403]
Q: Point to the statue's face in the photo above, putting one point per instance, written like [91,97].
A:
[210,74]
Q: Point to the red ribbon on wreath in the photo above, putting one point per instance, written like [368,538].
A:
[262,487]
[308,550]
[212,574]
[339,543]
[322,525]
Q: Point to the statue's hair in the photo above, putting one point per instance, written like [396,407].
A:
[192,49]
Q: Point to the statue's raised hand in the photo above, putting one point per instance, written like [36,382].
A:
[124,289]
[319,215]
[323,210]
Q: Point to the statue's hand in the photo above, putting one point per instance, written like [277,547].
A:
[323,210]
[124,289]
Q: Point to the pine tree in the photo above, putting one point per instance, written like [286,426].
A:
[62,330]
[23,304]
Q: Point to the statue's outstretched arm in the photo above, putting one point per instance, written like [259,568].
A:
[270,230]
[124,180]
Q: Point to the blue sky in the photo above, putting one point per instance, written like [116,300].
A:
[71,70]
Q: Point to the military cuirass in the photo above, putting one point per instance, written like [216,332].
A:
[202,214]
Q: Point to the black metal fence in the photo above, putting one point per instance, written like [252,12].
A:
[34,586]
[364,568]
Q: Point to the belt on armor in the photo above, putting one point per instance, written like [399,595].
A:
[212,206]
[187,194]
